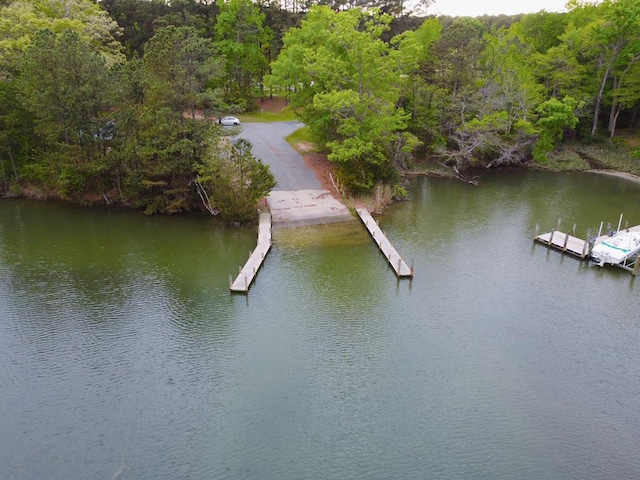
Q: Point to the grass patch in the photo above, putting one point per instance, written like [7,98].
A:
[613,157]
[599,154]
[302,137]
[606,154]
[284,115]
[564,159]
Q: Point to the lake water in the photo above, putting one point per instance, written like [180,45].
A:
[123,354]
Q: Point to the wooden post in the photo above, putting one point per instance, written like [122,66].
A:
[573,230]
[636,266]
[551,237]
[537,232]
[584,248]
[246,284]
[566,239]
[230,280]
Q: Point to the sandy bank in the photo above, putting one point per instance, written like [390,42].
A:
[627,176]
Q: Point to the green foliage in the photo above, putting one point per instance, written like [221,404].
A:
[478,92]
[242,39]
[62,85]
[346,80]
[554,116]
[62,82]
[20,21]
[235,180]
[179,65]
[457,54]
[542,30]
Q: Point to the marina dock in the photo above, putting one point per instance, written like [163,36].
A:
[581,248]
[401,269]
[247,274]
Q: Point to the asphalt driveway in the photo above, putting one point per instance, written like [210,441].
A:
[298,198]
[287,165]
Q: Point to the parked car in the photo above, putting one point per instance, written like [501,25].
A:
[227,121]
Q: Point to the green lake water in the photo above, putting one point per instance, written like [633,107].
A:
[123,354]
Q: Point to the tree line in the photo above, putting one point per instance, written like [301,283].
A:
[105,99]
[80,121]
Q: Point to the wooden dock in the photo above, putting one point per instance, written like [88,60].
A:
[566,243]
[248,273]
[582,248]
[401,269]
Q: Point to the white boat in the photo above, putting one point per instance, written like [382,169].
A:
[618,248]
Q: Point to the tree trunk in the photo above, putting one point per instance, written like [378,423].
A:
[596,113]
[615,108]
[612,125]
[13,165]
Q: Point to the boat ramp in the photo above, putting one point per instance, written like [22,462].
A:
[581,248]
[247,274]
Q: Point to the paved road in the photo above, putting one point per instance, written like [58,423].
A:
[287,165]
[298,198]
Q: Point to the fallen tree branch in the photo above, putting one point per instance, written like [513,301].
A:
[205,198]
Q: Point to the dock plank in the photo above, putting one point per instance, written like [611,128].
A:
[565,242]
[247,275]
[393,257]
[574,245]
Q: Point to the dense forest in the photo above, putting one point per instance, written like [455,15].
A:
[106,100]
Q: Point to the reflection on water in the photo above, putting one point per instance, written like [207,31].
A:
[122,353]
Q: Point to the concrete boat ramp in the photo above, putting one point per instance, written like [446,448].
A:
[306,207]
[309,207]
[298,199]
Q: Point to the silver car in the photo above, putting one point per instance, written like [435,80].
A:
[228,121]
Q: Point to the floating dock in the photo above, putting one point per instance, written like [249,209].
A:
[248,273]
[395,260]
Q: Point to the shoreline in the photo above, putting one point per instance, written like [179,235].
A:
[615,173]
